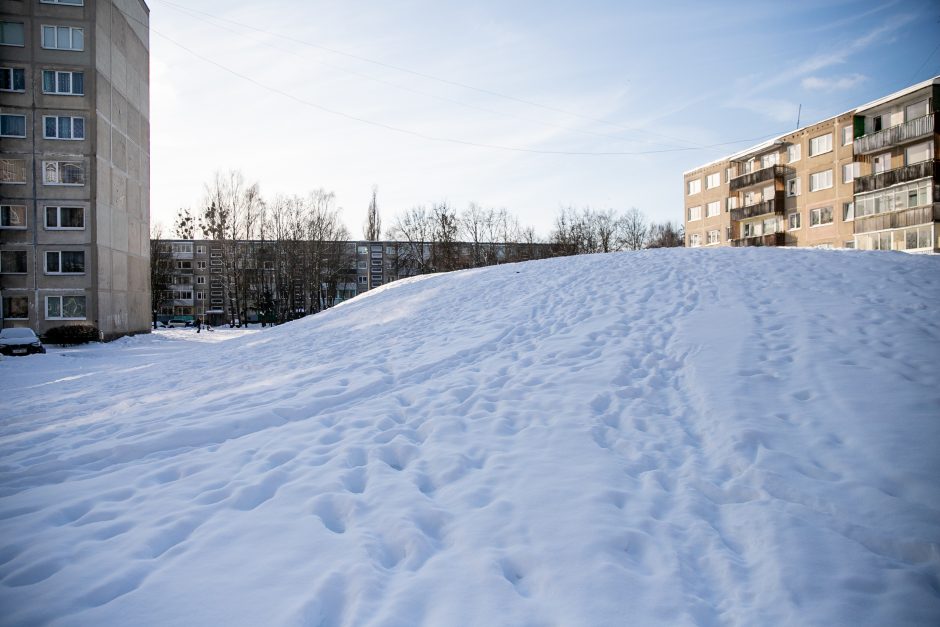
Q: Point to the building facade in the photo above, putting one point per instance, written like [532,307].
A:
[864,179]
[75,164]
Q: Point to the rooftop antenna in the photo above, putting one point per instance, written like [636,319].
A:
[798,112]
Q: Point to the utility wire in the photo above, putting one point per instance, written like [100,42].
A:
[431,76]
[196,15]
[418,134]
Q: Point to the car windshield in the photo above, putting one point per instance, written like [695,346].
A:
[8,334]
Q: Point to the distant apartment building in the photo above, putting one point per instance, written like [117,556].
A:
[865,179]
[220,282]
[75,164]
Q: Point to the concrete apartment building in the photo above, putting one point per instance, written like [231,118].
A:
[75,164]
[865,179]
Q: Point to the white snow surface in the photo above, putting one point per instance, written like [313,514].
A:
[675,437]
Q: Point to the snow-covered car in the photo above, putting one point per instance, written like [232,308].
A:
[20,341]
[176,323]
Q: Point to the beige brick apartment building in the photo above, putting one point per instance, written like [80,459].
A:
[866,179]
[75,164]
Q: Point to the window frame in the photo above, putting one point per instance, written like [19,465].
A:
[813,212]
[812,143]
[798,221]
[9,208]
[22,26]
[815,174]
[66,3]
[694,186]
[717,238]
[716,204]
[60,272]
[697,211]
[57,27]
[61,298]
[847,132]
[56,82]
[58,127]
[58,215]
[709,178]
[12,73]
[792,193]
[13,115]
[796,149]
[695,240]
[24,169]
[45,165]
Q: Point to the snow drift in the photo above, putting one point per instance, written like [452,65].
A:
[682,437]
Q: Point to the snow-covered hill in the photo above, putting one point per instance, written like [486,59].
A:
[707,437]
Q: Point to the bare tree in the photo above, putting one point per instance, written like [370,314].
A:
[373,226]
[634,231]
[161,270]
[185,225]
[666,235]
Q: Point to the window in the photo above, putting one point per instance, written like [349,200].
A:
[793,152]
[793,187]
[820,216]
[768,160]
[820,145]
[63,83]
[12,125]
[731,203]
[12,79]
[750,198]
[200,296]
[200,265]
[695,240]
[65,218]
[850,172]
[12,170]
[74,3]
[65,307]
[182,247]
[201,250]
[793,221]
[918,153]
[849,244]
[12,216]
[63,173]
[362,250]
[184,265]
[363,279]
[820,180]
[751,229]
[916,110]
[695,213]
[200,280]
[12,262]
[63,38]
[713,180]
[728,174]
[897,198]
[846,135]
[11,34]
[63,127]
[695,186]
[361,265]
[65,262]
[848,211]
[712,209]
[770,225]
[15,307]
[713,237]
[881,163]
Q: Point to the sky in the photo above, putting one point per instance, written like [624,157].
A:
[530,106]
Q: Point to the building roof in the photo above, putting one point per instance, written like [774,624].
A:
[898,94]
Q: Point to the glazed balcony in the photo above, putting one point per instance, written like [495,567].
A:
[874,182]
[770,239]
[759,176]
[902,133]
[898,219]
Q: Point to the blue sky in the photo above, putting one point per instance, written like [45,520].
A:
[479,102]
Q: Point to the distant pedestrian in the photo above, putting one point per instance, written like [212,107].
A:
[198,325]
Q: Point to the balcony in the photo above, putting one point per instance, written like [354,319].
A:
[874,182]
[898,219]
[886,138]
[771,239]
[774,205]
[759,176]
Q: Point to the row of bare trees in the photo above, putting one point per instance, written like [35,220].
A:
[291,255]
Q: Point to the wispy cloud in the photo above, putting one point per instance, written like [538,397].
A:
[819,83]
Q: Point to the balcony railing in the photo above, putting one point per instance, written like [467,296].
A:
[881,180]
[770,239]
[886,138]
[774,205]
[758,176]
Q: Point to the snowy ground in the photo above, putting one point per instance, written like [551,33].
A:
[707,437]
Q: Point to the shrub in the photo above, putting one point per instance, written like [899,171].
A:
[72,334]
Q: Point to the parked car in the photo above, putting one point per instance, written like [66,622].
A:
[20,341]
[176,323]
